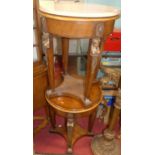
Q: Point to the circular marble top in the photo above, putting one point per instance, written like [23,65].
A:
[77,9]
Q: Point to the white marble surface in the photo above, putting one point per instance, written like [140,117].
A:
[77,9]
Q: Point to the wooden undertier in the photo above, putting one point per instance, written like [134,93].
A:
[72,86]
[69,96]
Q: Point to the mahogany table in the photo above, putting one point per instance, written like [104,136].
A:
[75,97]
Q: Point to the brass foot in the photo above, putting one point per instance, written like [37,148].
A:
[69,151]
[91,133]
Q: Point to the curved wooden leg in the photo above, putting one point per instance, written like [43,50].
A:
[91,122]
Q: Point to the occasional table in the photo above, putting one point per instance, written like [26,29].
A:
[75,97]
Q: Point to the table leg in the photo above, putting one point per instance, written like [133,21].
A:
[91,122]
[94,56]
[50,62]
[65,48]
[52,118]
[70,126]
[65,123]
[47,111]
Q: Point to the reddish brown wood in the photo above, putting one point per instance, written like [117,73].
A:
[65,50]
[65,103]
[50,63]
[52,115]
[40,84]
[89,76]
[77,27]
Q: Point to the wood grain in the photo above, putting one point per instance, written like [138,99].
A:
[40,83]
[65,50]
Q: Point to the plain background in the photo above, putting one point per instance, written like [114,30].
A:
[138,77]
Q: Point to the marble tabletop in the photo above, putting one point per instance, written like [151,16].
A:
[77,9]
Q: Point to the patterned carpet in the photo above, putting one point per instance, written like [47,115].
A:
[52,154]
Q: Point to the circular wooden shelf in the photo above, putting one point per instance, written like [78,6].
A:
[69,103]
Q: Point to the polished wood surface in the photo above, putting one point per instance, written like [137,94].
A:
[52,118]
[50,63]
[75,97]
[69,27]
[78,29]
[68,103]
[40,84]
[65,47]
